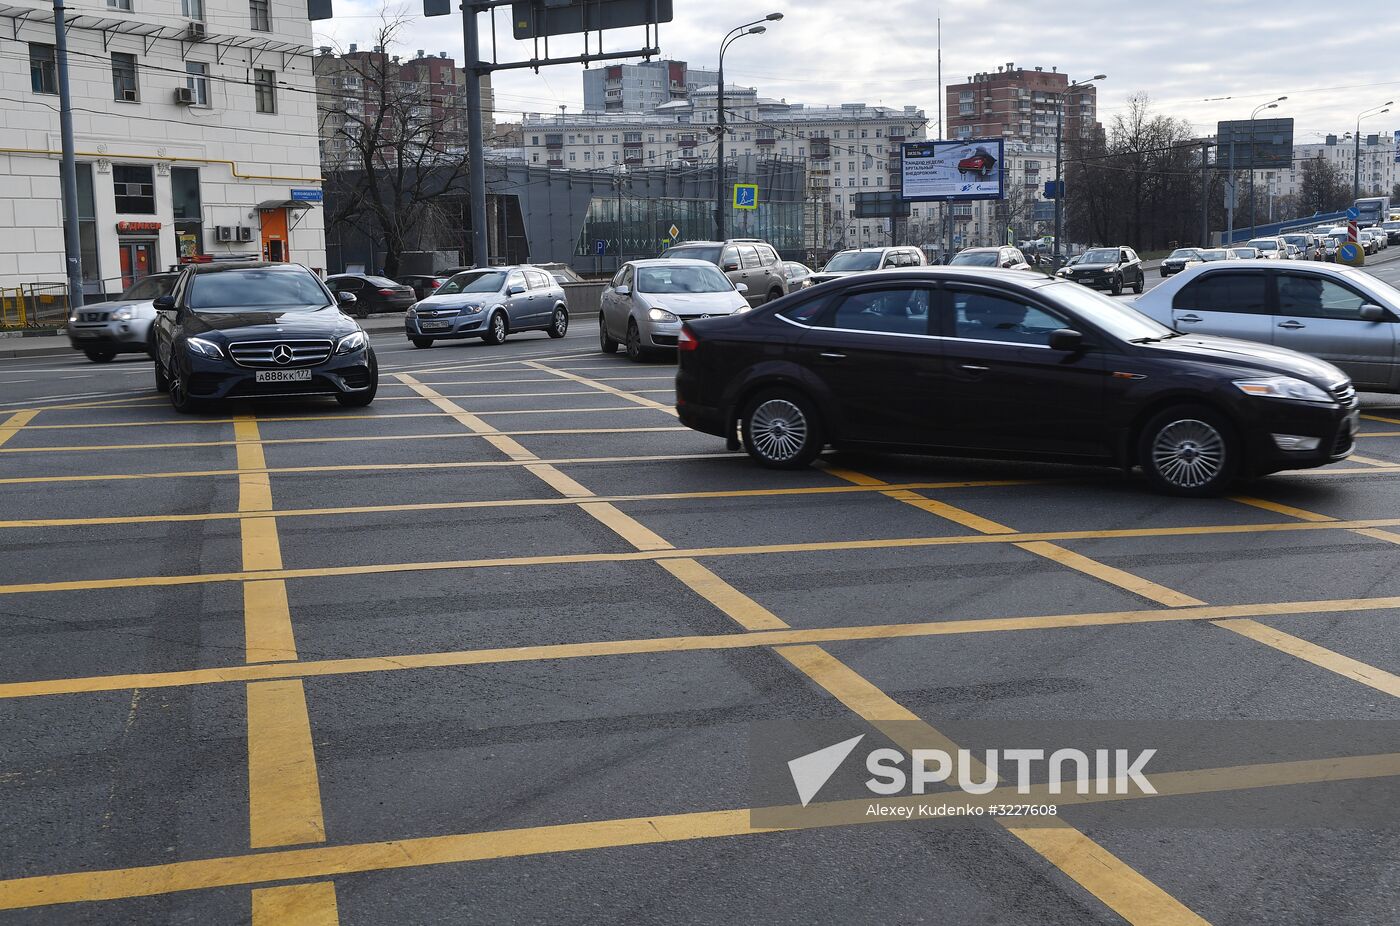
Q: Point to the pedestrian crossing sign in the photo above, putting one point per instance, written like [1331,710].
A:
[746,196]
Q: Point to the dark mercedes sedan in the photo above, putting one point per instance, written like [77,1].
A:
[259,330]
[995,363]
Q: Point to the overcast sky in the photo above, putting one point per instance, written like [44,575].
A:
[1331,61]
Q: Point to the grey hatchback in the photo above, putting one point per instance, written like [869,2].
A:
[489,303]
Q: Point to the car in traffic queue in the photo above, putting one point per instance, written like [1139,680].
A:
[647,301]
[372,293]
[1372,240]
[1179,260]
[1112,269]
[1005,257]
[102,330]
[750,261]
[1245,253]
[490,303]
[1392,231]
[798,275]
[255,330]
[991,363]
[1305,242]
[1213,254]
[863,260]
[422,284]
[1342,315]
[1270,248]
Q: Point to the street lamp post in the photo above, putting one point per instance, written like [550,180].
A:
[1356,157]
[751,28]
[1059,161]
[1272,104]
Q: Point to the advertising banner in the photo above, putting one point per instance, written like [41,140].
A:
[950,170]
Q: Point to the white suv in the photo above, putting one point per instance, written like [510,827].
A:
[863,260]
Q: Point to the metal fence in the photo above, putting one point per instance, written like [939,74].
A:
[34,305]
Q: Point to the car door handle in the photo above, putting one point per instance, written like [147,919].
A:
[1291,325]
[974,368]
[832,355]
[1189,318]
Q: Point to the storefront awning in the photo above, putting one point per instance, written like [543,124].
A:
[286,204]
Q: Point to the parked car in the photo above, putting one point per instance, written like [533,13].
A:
[798,275]
[1179,260]
[490,304]
[1270,248]
[422,284]
[1246,253]
[1343,315]
[372,293]
[1005,257]
[1108,268]
[646,302]
[749,261]
[259,330]
[101,330]
[988,363]
[863,260]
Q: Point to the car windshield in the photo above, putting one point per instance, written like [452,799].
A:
[974,259]
[1114,317]
[856,260]
[708,254]
[1298,240]
[257,288]
[1246,252]
[150,287]
[1101,256]
[1391,226]
[1215,254]
[1264,244]
[473,281]
[682,280]
[1185,252]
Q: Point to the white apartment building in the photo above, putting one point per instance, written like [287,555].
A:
[195,131]
[1377,164]
[848,149]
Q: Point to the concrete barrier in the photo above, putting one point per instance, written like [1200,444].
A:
[583,298]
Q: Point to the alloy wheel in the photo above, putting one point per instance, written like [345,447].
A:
[561,323]
[498,327]
[778,430]
[1189,453]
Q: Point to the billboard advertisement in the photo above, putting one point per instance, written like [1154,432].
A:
[973,168]
[881,205]
[1261,144]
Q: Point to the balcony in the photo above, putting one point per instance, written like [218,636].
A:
[555,162]
[554,142]
[631,155]
[687,141]
[763,139]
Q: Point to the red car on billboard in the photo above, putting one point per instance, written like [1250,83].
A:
[981,163]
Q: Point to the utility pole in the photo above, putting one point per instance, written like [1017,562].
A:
[1059,162]
[1205,193]
[476,165]
[68,167]
[750,28]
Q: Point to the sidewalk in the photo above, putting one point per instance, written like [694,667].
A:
[55,344]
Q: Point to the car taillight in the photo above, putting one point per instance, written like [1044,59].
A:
[388,292]
[687,340]
[434,284]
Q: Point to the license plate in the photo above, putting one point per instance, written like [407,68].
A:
[283,376]
[428,324]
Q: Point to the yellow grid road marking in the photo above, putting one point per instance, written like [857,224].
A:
[601,386]
[296,905]
[88,425]
[521,395]
[1279,508]
[284,794]
[13,424]
[1381,418]
[1319,656]
[325,861]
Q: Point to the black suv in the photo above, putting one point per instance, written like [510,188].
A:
[257,330]
[998,363]
[1108,268]
[749,261]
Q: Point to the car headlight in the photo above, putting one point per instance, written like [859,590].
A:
[353,341]
[742,308]
[123,315]
[413,309]
[661,315]
[1282,387]
[72,319]
[204,348]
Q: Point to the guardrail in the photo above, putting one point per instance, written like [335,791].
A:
[584,298]
[34,305]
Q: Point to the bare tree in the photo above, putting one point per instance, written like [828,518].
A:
[1323,188]
[394,152]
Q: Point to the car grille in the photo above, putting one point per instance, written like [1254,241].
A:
[261,353]
[1344,441]
[665,340]
[1345,394]
[436,313]
[92,316]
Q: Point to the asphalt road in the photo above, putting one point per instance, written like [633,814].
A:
[511,646]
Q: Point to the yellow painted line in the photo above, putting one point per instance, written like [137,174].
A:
[98,403]
[511,448]
[1378,434]
[1320,656]
[1279,508]
[311,904]
[267,622]
[13,424]
[1342,471]
[1381,418]
[768,631]
[1387,536]
[602,386]
[626,526]
[267,619]
[1370,461]
[537,379]
[284,793]
[949,512]
[522,395]
[324,861]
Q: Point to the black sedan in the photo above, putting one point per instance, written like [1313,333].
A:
[1112,269]
[259,330]
[373,294]
[993,363]
[423,285]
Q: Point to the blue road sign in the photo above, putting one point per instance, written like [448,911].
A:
[746,196]
[306,196]
[1054,189]
[1352,213]
[600,247]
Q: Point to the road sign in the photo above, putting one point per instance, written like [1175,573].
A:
[1263,144]
[538,18]
[746,196]
[674,232]
[1353,213]
[600,247]
[306,196]
[1054,189]
[1351,253]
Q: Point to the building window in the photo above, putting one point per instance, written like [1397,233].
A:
[571,155]
[119,5]
[43,76]
[87,231]
[198,81]
[534,157]
[193,9]
[184,196]
[124,83]
[265,90]
[587,155]
[134,188]
[258,12]
[534,139]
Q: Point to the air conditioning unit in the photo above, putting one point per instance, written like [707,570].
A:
[245,233]
[184,96]
[223,233]
[197,32]
[130,96]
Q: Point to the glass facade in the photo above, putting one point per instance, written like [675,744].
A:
[87,231]
[631,229]
[184,195]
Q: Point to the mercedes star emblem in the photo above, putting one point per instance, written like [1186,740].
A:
[282,354]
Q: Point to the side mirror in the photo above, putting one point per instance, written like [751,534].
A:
[1374,313]
[729,265]
[1066,339]
[346,298]
[517,289]
[741,287]
[164,303]
[623,291]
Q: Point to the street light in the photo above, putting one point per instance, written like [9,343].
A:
[1059,160]
[738,32]
[1356,158]
[1272,104]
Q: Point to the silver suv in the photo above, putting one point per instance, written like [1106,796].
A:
[489,303]
[750,261]
[101,330]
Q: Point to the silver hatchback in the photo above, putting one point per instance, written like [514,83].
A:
[489,303]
